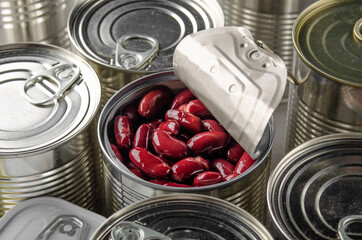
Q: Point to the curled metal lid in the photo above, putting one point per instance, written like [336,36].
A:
[186,216]
[97,27]
[47,96]
[239,82]
[316,186]
[328,37]
[48,218]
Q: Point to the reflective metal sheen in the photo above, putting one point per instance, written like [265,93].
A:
[46,142]
[317,185]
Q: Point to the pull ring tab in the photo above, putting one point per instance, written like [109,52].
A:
[130,230]
[357,34]
[135,60]
[54,81]
[344,222]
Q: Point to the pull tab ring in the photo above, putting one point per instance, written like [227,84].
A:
[135,60]
[357,34]
[344,222]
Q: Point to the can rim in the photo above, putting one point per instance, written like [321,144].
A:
[219,20]
[300,21]
[240,213]
[104,115]
[293,156]
[87,122]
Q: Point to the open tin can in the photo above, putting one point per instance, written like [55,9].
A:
[49,98]
[325,96]
[123,188]
[186,216]
[315,191]
[124,40]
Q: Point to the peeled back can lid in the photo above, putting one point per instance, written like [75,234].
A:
[47,96]
[328,37]
[138,35]
[316,187]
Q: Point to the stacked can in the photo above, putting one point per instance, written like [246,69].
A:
[123,188]
[49,100]
[325,96]
[124,40]
[35,21]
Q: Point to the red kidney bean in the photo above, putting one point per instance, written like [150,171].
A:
[182,107]
[212,125]
[149,163]
[139,174]
[204,161]
[230,176]
[154,102]
[188,122]
[143,136]
[117,153]
[159,181]
[168,146]
[173,184]
[131,111]
[187,168]
[234,153]
[170,126]
[244,163]
[184,136]
[208,142]
[155,123]
[181,98]
[207,178]
[197,108]
[123,133]
[130,165]
[223,166]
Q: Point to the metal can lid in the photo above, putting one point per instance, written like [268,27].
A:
[316,185]
[123,33]
[48,95]
[48,218]
[327,36]
[187,216]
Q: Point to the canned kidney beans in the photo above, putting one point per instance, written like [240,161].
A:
[173,140]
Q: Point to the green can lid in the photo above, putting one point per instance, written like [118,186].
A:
[327,36]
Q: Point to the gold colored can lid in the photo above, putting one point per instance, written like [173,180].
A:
[328,38]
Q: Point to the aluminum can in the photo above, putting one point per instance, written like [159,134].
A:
[315,190]
[35,21]
[49,218]
[269,20]
[325,96]
[183,216]
[49,98]
[124,40]
[123,188]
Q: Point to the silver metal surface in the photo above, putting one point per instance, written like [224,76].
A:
[42,21]
[315,186]
[226,67]
[344,223]
[46,150]
[188,216]
[123,188]
[130,230]
[96,26]
[49,218]
[321,102]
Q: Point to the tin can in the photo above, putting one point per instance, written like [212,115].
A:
[124,40]
[49,98]
[123,188]
[316,187]
[35,21]
[49,218]
[269,21]
[186,216]
[325,96]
